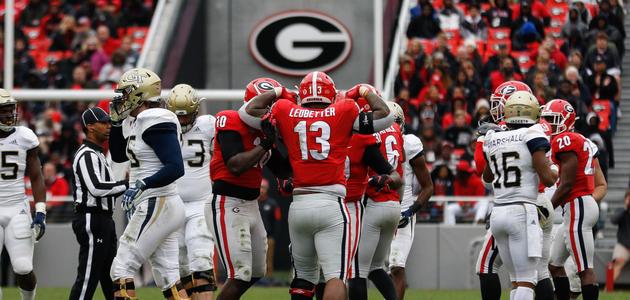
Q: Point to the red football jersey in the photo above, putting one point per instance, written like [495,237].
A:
[585,151]
[480,159]
[392,142]
[357,169]
[317,141]
[228,120]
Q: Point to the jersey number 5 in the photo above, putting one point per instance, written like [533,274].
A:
[5,164]
[506,171]
[322,139]
[133,160]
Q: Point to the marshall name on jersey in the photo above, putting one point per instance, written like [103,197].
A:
[195,185]
[142,159]
[413,148]
[13,150]
[509,155]
[586,151]
[392,148]
[317,142]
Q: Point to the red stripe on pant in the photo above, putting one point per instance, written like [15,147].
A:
[486,251]
[576,254]
[226,248]
[349,242]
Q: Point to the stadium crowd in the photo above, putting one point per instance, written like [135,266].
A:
[458,54]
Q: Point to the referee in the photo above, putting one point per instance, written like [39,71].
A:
[94,198]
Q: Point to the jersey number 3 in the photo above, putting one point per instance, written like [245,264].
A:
[322,139]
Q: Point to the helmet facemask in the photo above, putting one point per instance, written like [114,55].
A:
[8,116]
[556,121]
[496,108]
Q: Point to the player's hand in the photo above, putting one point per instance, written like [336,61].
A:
[268,128]
[285,187]
[115,118]
[405,218]
[543,215]
[380,182]
[130,195]
[284,93]
[39,225]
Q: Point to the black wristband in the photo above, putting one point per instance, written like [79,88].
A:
[266,143]
[415,207]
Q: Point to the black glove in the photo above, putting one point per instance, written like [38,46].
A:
[269,132]
[285,187]
[380,182]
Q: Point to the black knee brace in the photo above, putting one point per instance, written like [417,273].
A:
[301,289]
[123,287]
[173,291]
[208,275]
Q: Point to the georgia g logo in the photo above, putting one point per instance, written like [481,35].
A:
[298,42]
[264,86]
[508,90]
[568,108]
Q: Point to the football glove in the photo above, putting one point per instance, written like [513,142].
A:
[285,187]
[268,129]
[130,195]
[380,182]
[544,216]
[357,91]
[405,218]
[39,222]
[114,116]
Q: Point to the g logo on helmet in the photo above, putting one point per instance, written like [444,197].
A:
[508,90]
[298,42]
[265,86]
[568,108]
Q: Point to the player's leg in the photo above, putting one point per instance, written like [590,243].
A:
[370,235]
[259,242]
[331,241]
[575,286]
[199,250]
[390,215]
[450,213]
[500,228]
[558,257]
[488,264]
[544,287]
[583,213]
[19,243]
[232,235]
[302,223]
[110,241]
[524,232]
[184,268]
[621,254]
[165,267]
[401,245]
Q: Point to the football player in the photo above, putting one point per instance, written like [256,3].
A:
[196,247]
[317,132]
[19,148]
[382,213]
[240,153]
[148,136]
[516,161]
[488,261]
[418,189]
[576,157]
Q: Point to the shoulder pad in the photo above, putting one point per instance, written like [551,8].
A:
[27,137]
[153,116]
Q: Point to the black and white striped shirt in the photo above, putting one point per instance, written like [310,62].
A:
[94,189]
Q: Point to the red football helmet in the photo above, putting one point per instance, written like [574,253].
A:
[259,86]
[501,94]
[560,115]
[317,87]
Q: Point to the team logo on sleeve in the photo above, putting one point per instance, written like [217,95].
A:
[299,42]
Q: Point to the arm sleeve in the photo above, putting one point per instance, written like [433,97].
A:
[95,183]
[480,159]
[279,164]
[374,159]
[365,119]
[251,121]
[537,144]
[163,139]
[117,144]
[231,144]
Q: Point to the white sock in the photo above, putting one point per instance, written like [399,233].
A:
[28,295]
[512,294]
[524,293]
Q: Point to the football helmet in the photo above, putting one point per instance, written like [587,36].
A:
[521,108]
[500,96]
[183,101]
[259,86]
[135,86]
[399,114]
[317,87]
[560,115]
[8,111]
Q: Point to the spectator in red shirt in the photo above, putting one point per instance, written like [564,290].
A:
[55,184]
[108,43]
[559,59]
[505,73]
[467,183]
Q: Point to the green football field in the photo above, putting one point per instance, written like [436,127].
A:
[264,293]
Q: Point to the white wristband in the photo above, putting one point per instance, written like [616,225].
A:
[278,91]
[363,91]
[40,207]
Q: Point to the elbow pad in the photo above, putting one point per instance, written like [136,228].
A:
[384,123]
[251,121]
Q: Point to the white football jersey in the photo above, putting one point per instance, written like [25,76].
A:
[13,164]
[413,147]
[510,159]
[195,185]
[143,162]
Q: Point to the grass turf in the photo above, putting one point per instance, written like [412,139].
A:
[264,293]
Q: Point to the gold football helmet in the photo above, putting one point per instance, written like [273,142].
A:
[522,108]
[184,102]
[136,86]
[399,114]
[8,111]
